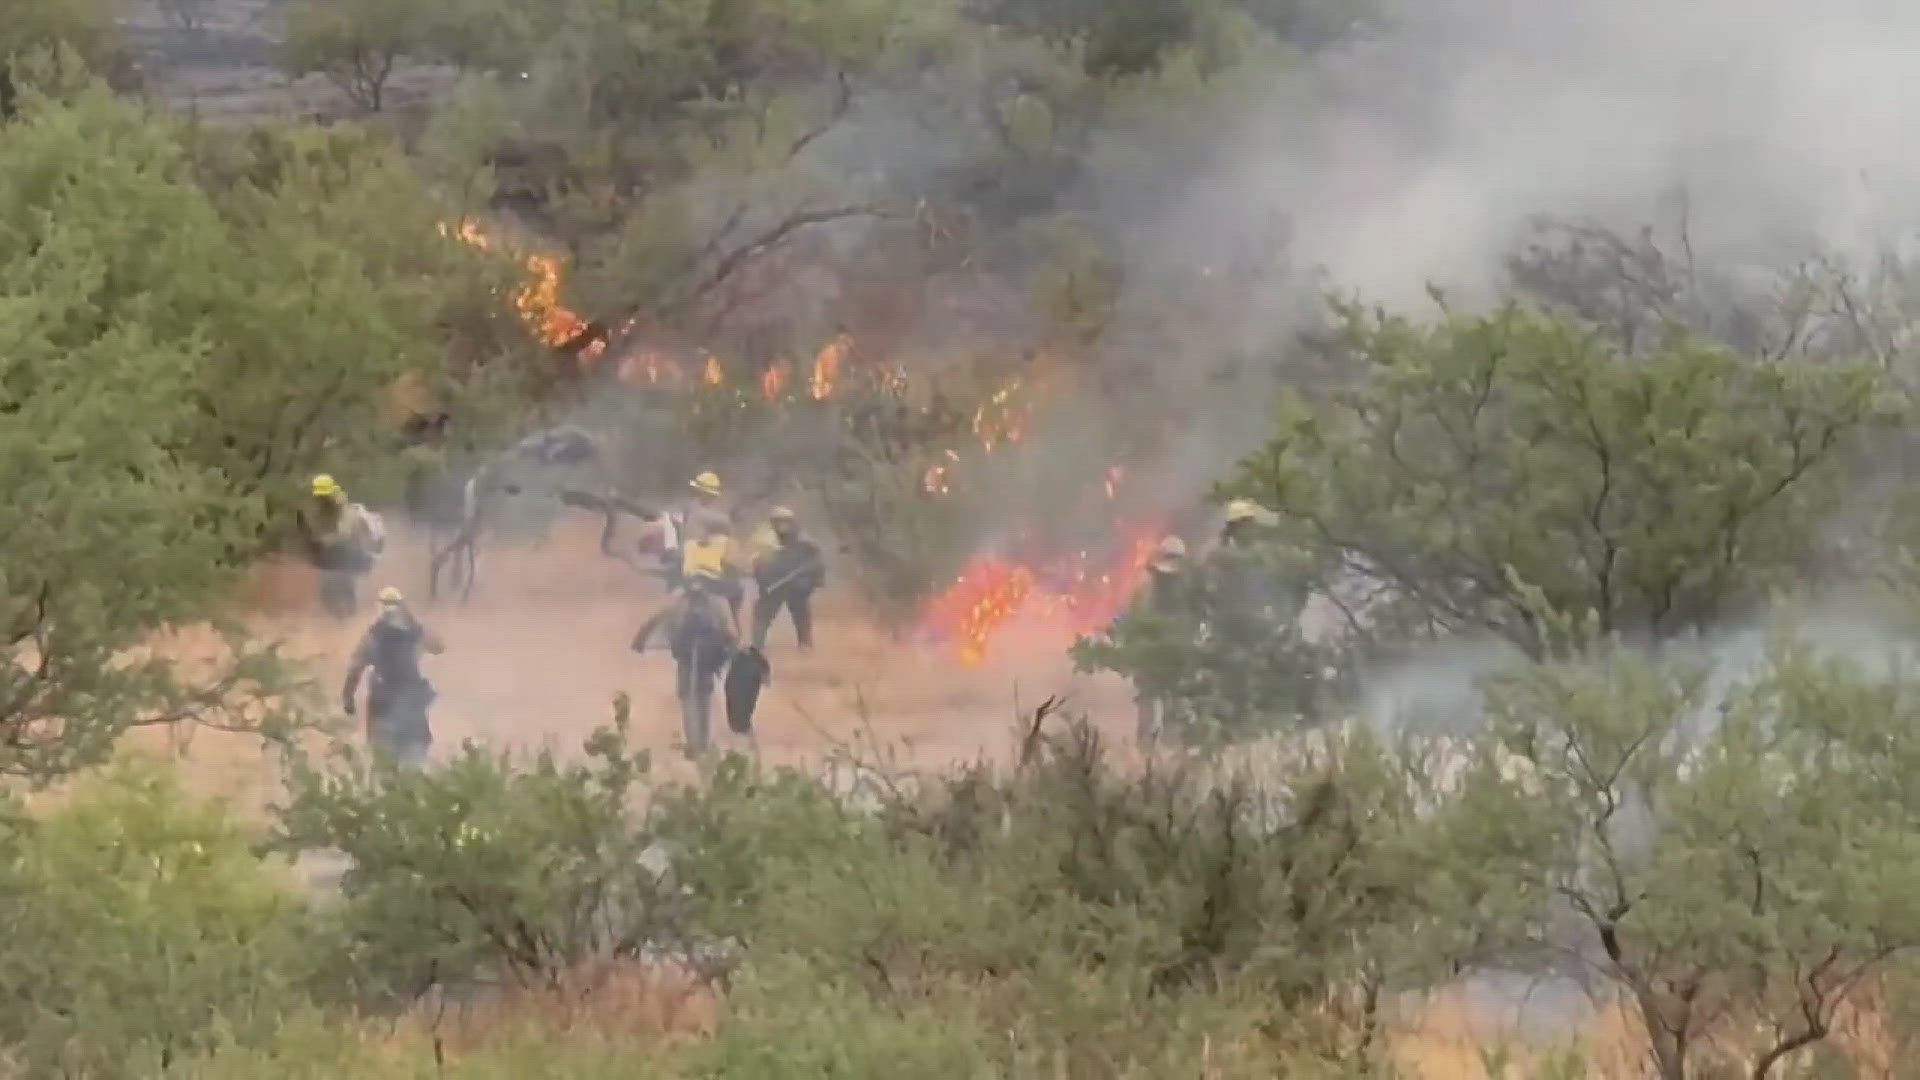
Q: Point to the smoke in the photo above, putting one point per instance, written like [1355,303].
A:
[1757,133]
[1772,126]
[1438,695]
[1766,129]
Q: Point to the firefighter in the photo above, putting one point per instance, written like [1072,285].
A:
[398,694]
[1244,518]
[1240,570]
[343,540]
[702,635]
[1165,595]
[787,576]
[694,520]
[714,547]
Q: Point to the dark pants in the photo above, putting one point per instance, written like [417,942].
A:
[397,720]
[341,563]
[799,604]
[338,593]
[694,683]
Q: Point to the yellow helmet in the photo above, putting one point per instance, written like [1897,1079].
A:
[326,487]
[1242,510]
[1168,555]
[390,596]
[706,483]
[781,513]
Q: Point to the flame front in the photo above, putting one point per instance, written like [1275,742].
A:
[538,300]
[989,592]
[773,381]
[1075,595]
[826,366]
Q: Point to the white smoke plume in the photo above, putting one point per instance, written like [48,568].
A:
[1750,135]
[1772,125]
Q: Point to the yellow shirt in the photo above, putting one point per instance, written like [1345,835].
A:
[713,554]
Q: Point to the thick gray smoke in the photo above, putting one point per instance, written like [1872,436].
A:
[1771,124]
[1759,132]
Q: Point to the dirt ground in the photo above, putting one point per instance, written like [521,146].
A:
[538,654]
[226,67]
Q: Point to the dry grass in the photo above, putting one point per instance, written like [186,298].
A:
[1450,1040]
[611,1003]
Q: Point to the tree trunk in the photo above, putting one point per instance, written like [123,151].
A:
[1669,1049]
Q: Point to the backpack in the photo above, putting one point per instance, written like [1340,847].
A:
[372,528]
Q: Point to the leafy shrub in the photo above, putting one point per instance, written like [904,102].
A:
[316,1047]
[1229,656]
[1083,921]
[140,927]
[487,866]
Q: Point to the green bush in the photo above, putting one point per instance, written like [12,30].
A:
[1081,920]
[140,927]
[1229,656]
[314,1046]
[486,866]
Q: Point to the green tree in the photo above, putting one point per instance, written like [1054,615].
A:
[141,928]
[35,30]
[1229,654]
[110,264]
[488,866]
[347,278]
[1475,462]
[356,44]
[194,320]
[1724,858]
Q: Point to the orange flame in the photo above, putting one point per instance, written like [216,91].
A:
[539,303]
[773,381]
[713,374]
[992,590]
[1000,418]
[826,366]
[989,592]
[538,300]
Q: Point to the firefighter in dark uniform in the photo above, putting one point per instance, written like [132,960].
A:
[398,695]
[788,574]
[702,636]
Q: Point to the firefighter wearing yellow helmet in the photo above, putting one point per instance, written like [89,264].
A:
[343,540]
[693,520]
[1244,517]
[702,635]
[398,695]
[1165,597]
[787,572]
[713,553]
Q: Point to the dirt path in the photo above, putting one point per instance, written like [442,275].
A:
[539,653]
